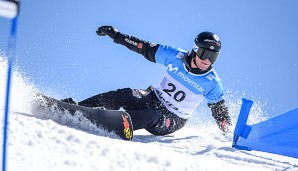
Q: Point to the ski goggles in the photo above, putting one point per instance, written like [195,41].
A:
[207,54]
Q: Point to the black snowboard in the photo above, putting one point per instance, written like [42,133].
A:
[115,121]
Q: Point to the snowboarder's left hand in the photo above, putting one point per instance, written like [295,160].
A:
[220,113]
[107,30]
[224,126]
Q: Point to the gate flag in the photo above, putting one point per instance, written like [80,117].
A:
[278,135]
[9,9]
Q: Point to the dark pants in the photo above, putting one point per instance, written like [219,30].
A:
[143,106]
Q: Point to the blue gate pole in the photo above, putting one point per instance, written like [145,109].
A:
[11,56]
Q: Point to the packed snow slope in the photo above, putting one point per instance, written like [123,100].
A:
[39,140]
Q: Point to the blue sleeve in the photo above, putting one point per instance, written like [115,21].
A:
[216,94]
[165,54]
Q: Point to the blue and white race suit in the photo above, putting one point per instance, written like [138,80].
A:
[182,91]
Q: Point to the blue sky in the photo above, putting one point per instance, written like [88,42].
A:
[58,49]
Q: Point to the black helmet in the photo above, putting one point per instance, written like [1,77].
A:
[207,46]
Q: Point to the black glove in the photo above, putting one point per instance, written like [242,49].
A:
[220,113]
[107,30]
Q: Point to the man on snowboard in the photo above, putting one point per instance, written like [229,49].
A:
[189,78]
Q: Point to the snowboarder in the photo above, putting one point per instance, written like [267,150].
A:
[190,77]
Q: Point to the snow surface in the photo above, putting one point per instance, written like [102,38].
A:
[56,141]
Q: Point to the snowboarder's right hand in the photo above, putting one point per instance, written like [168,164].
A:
[107,30]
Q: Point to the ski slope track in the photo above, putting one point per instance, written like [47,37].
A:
[54,141]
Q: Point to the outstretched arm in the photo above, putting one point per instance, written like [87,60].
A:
[145,48]
[220,113]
